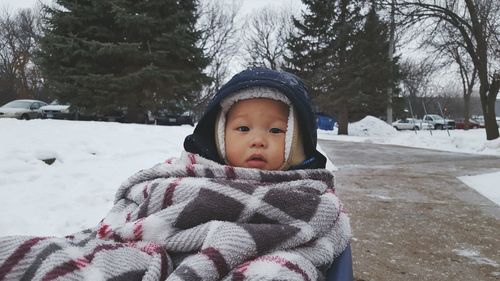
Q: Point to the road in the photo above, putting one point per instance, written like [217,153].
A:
[412,219]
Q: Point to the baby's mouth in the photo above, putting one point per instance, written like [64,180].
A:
[256,161]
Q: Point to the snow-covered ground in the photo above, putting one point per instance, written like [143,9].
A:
[93,158]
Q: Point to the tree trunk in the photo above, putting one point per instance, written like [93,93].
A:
[488,100]
[343,119]
[487,91]
[392,31]
[137,108]
[135,112]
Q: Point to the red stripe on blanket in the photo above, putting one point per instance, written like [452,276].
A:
[190,170]
[81,263]
[18,255]
[295,268]
[150,248]
[78,263]
[103,231]
[164,264]
[238,276]
[192,158]
[169,193]
[230,173]
[239,273]
[145,191]
[216,257]
[138,229]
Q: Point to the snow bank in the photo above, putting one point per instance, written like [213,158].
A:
[371,126]
[92,159]
[374,130]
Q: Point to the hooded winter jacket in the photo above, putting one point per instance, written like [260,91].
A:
[202,141]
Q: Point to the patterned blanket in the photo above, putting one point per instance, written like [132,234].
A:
[193,219]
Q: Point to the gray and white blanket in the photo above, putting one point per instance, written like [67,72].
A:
[193,219]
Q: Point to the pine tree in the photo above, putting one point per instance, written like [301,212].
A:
[322,53]
[68,50]
[373,68]
[138,55]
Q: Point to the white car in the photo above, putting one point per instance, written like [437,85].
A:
[56,110]
[412,124]
[22,109]
[480,119]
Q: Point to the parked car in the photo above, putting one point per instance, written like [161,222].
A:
[56,110]
[412,124]
[439,122]
[22,109]
[164,117]
[460,124]
[117,114]
[480,119]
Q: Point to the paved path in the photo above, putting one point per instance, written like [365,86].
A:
[412,218]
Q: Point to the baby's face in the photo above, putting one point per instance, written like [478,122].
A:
[255,134]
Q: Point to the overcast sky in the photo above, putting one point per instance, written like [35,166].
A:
[247,7]
[18,4]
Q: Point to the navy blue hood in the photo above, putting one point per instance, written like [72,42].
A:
[202,141]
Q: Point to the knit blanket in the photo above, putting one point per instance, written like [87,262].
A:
[193,219]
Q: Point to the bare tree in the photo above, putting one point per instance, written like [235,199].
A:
[450,99]
[477,22]
[19,35]
[416,81]
[468,75]
[450,49]
[267,33]
[218,40]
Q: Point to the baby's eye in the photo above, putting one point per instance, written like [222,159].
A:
[243,129]
[276,131]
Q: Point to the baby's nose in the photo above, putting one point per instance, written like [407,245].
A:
[258,141]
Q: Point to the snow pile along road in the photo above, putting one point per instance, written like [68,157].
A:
[374,130]
[371,127]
